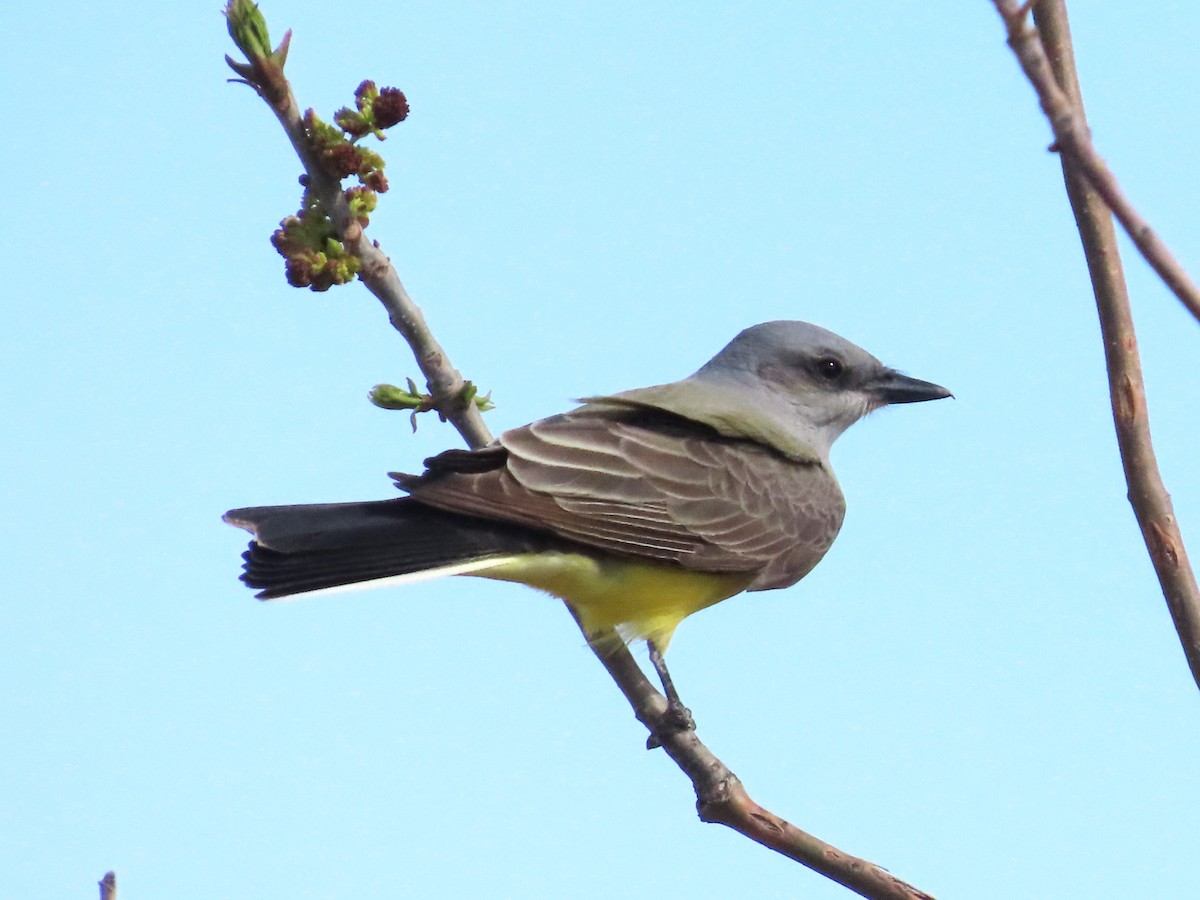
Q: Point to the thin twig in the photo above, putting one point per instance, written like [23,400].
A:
[1073,140]
[720,795]
[1147,494]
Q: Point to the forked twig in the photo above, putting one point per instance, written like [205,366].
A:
[1046,56]
[1063,107]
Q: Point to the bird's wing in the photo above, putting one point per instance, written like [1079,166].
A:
[655,489]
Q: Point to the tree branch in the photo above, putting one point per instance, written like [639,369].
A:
[1090,191]
[721,798]
[1072,138]
[720,795]
[446,384]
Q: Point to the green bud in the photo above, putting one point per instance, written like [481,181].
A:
[470,395]
[362,202]
[388,396]
[248,28]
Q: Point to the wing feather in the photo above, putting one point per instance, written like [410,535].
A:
[657,489]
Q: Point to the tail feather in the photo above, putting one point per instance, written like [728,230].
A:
[297,549]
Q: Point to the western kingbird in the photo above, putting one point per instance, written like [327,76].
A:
[637,509]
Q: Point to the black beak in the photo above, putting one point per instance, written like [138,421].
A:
[892,387]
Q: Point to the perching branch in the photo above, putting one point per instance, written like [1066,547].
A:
[721,798]
[1048,60]
[720,795]
[1064,109]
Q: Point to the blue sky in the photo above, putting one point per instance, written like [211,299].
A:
[979,688]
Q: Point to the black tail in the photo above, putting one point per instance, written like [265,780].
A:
[305,548]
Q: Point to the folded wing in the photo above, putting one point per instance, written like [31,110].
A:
[655,487]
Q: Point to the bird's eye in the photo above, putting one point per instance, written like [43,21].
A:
[830,368]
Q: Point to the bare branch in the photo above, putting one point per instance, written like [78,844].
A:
[720,795]
[1073,140]
[1091,206]
[721,798]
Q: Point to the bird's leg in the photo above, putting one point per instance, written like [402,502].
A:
[677,716]
[660,666]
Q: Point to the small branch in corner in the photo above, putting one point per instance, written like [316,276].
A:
[1073,139]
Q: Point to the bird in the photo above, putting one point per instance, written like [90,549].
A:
[637,509]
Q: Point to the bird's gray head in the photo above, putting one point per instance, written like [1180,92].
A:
[828,382]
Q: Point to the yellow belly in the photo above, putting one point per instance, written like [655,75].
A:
[641,600]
